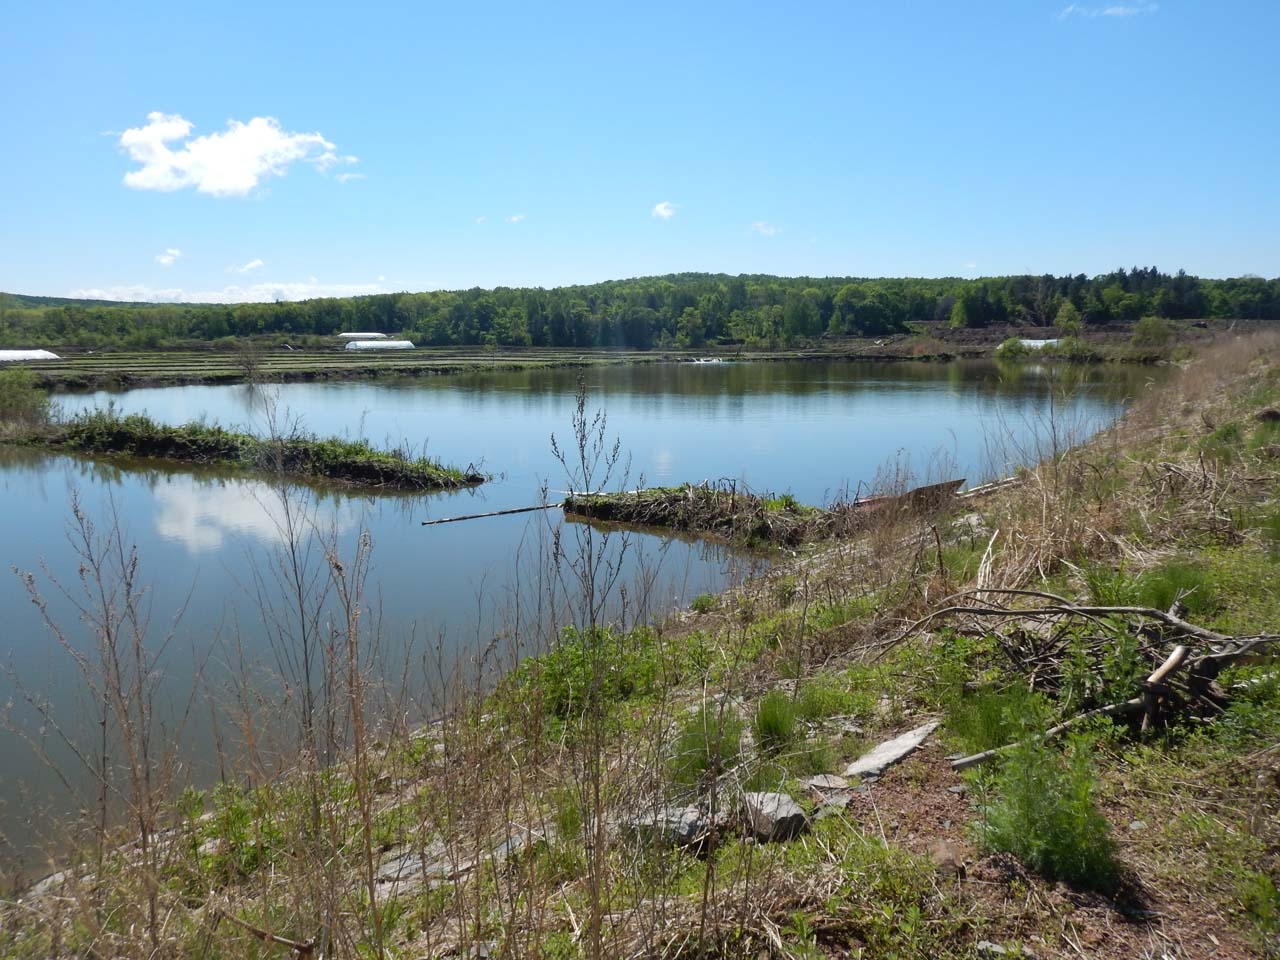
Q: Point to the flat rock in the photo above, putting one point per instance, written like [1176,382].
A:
[431,862]
[947,859]
[683,827]
[409,868]
[773,816]
[826,783]
[878,760]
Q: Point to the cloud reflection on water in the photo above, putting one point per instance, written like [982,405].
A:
[202,514]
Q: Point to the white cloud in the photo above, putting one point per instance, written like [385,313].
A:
[481,219]
[764,229]
[664,210]
[264,292]
[344,177]
[254,264]
[515,218]
[1116,10]
[167,258]
[226,164]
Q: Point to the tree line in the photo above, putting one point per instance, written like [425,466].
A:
[681,310]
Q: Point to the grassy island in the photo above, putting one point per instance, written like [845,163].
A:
[304,457]
[728,511]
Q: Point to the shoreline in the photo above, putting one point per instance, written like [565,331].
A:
[276,363]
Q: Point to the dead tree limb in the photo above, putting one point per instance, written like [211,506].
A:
[303,948]
[1114,709]
[1155,684]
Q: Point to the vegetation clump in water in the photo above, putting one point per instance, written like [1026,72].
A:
[303,456]
[734,513]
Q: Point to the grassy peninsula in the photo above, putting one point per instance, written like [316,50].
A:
[1085,660]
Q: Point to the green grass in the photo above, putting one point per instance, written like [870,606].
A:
[1184,579]
[1246,581]
[709,742]
[823,695]
[608,665]
[775,722]
[992,718]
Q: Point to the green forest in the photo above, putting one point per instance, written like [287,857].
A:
[679,310]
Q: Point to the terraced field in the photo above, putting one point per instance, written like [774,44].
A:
[97,370]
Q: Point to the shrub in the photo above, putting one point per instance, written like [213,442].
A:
[1151,333]
[775,725]
[1073,349]
[709,742]
[22,403]
[1039,807]
[703,603]
[1013,349]
[603,663]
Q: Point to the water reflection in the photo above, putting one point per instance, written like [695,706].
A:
[202,514]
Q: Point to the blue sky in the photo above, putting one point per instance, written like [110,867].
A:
[265,151]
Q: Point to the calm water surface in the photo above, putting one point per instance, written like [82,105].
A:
[208,543]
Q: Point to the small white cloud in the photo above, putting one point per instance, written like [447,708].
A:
[1116,10]
[515,218]
[971,266]
[664,210]
[226,164]
[764,229]
[264,292]
[481,219]
[168,258]
[254,264]
[345,177]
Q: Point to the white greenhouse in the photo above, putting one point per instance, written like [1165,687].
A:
[10,355]
[380,345]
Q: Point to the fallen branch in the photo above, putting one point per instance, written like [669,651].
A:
[303,948]
[1128,706]
[494,513]
[1055,608]
[1155,682]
